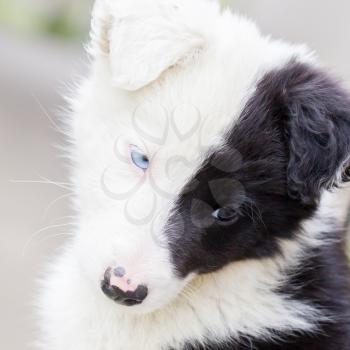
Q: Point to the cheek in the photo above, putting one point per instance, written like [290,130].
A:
[207,250]
[135,171]
[186,252]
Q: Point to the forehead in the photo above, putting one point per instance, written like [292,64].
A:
[189,113]
[194,101]
[184,114]
[190,107]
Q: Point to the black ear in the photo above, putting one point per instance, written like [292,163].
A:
[316,125]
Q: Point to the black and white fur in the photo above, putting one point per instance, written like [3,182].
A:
[227,119]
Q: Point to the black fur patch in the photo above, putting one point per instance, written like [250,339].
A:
[324,281]
[287,146]
[290,142]
[316,113]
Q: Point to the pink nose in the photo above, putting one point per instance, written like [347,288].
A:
[123,290]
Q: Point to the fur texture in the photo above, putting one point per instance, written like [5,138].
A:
[229,224]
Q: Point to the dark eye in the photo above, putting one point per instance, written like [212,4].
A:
[226,214]
[139,158]
[347,174]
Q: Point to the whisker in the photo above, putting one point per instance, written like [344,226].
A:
[62,218]
[44,181]
[66,184]
[37,233]
[257,211]
[45,112]
[66,195]
[254,213]
[62,234]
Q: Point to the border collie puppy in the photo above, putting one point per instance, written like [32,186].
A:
[204,156]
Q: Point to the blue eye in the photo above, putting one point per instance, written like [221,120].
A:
[139,159]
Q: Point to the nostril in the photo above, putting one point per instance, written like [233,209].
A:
[119,271]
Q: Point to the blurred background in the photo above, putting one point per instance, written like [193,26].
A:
[41,55]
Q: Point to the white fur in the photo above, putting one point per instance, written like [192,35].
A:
[161,69]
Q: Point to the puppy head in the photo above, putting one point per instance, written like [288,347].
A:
[196,149]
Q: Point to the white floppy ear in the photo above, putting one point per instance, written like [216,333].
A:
[143,38]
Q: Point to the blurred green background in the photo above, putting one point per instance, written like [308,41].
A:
[64,18]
